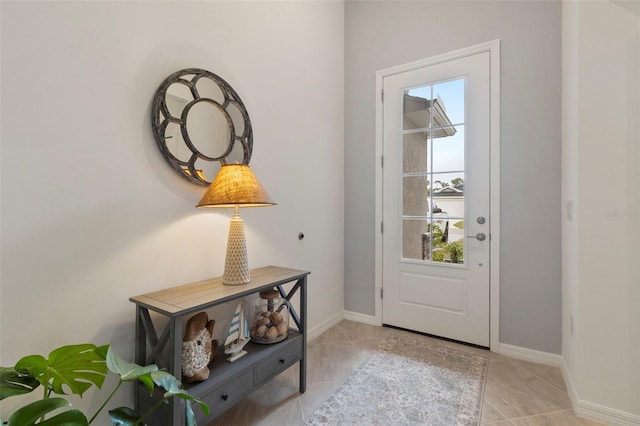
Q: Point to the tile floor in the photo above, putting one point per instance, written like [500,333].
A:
[517,393]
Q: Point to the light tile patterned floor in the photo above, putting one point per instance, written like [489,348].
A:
[517,393]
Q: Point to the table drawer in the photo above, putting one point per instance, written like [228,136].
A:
[226,395]
[284,357]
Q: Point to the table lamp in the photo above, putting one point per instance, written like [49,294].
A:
[236,186]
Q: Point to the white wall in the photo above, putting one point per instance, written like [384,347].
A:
[92,214]
[601,134]
[383,34]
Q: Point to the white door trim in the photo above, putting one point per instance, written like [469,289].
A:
[493,47]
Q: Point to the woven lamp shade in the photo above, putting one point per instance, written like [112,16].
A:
[235,185]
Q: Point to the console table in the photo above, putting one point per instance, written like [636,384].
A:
[228,383]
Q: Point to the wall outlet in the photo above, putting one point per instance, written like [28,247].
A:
[570,212]
[572,326]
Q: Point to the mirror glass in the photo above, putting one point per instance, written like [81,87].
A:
[175,143]
[236,155]
[209,130]
[199,123]
[178,95]
[237,118]
[208,88]
[206,170]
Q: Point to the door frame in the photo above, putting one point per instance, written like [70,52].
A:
[493,47]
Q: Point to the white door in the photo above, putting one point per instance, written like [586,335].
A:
[435,188]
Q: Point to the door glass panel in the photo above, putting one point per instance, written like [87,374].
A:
[416,109]
[415,245]
[433,161]
[447,185]
[447,200]
[415,153]
[414,202]
[448,150]
[451,97]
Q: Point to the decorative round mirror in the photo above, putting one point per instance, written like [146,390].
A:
[200,123]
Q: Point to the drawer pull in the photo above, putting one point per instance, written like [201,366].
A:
[281,360]
[225,396]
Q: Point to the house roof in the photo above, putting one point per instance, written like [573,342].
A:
[418,110]
[449,191]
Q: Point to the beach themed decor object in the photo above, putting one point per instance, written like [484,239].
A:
[198,347]
[271,318]
[238,335]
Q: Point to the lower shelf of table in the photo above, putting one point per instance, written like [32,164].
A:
[230,382]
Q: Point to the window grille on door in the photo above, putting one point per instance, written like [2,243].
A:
[433,173]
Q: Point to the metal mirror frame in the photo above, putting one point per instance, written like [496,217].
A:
[161,118]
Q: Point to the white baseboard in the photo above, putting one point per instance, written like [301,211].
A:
[606,415]
[330,322]
[324,326]
[600,413]
[588,410]
[358,317]
[532,355]
[568,381]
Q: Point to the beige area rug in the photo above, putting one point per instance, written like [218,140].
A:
[409,381]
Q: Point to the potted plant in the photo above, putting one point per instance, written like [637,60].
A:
[73,370]
[455,250]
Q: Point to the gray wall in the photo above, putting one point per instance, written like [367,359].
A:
[379,35]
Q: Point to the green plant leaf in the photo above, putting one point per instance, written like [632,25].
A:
[189,415]
[31,413]
[77,367]
[166,381]
[203,405]
[148,382]
[13,383]
[124,416]
[102,351]
[127,371]
[173,387]
[35,365]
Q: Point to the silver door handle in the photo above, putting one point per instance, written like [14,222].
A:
[480,236]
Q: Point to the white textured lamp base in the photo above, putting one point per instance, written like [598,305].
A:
[236,265]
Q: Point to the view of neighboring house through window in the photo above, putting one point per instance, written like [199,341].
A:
[433,150]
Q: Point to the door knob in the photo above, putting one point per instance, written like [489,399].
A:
[480,236]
